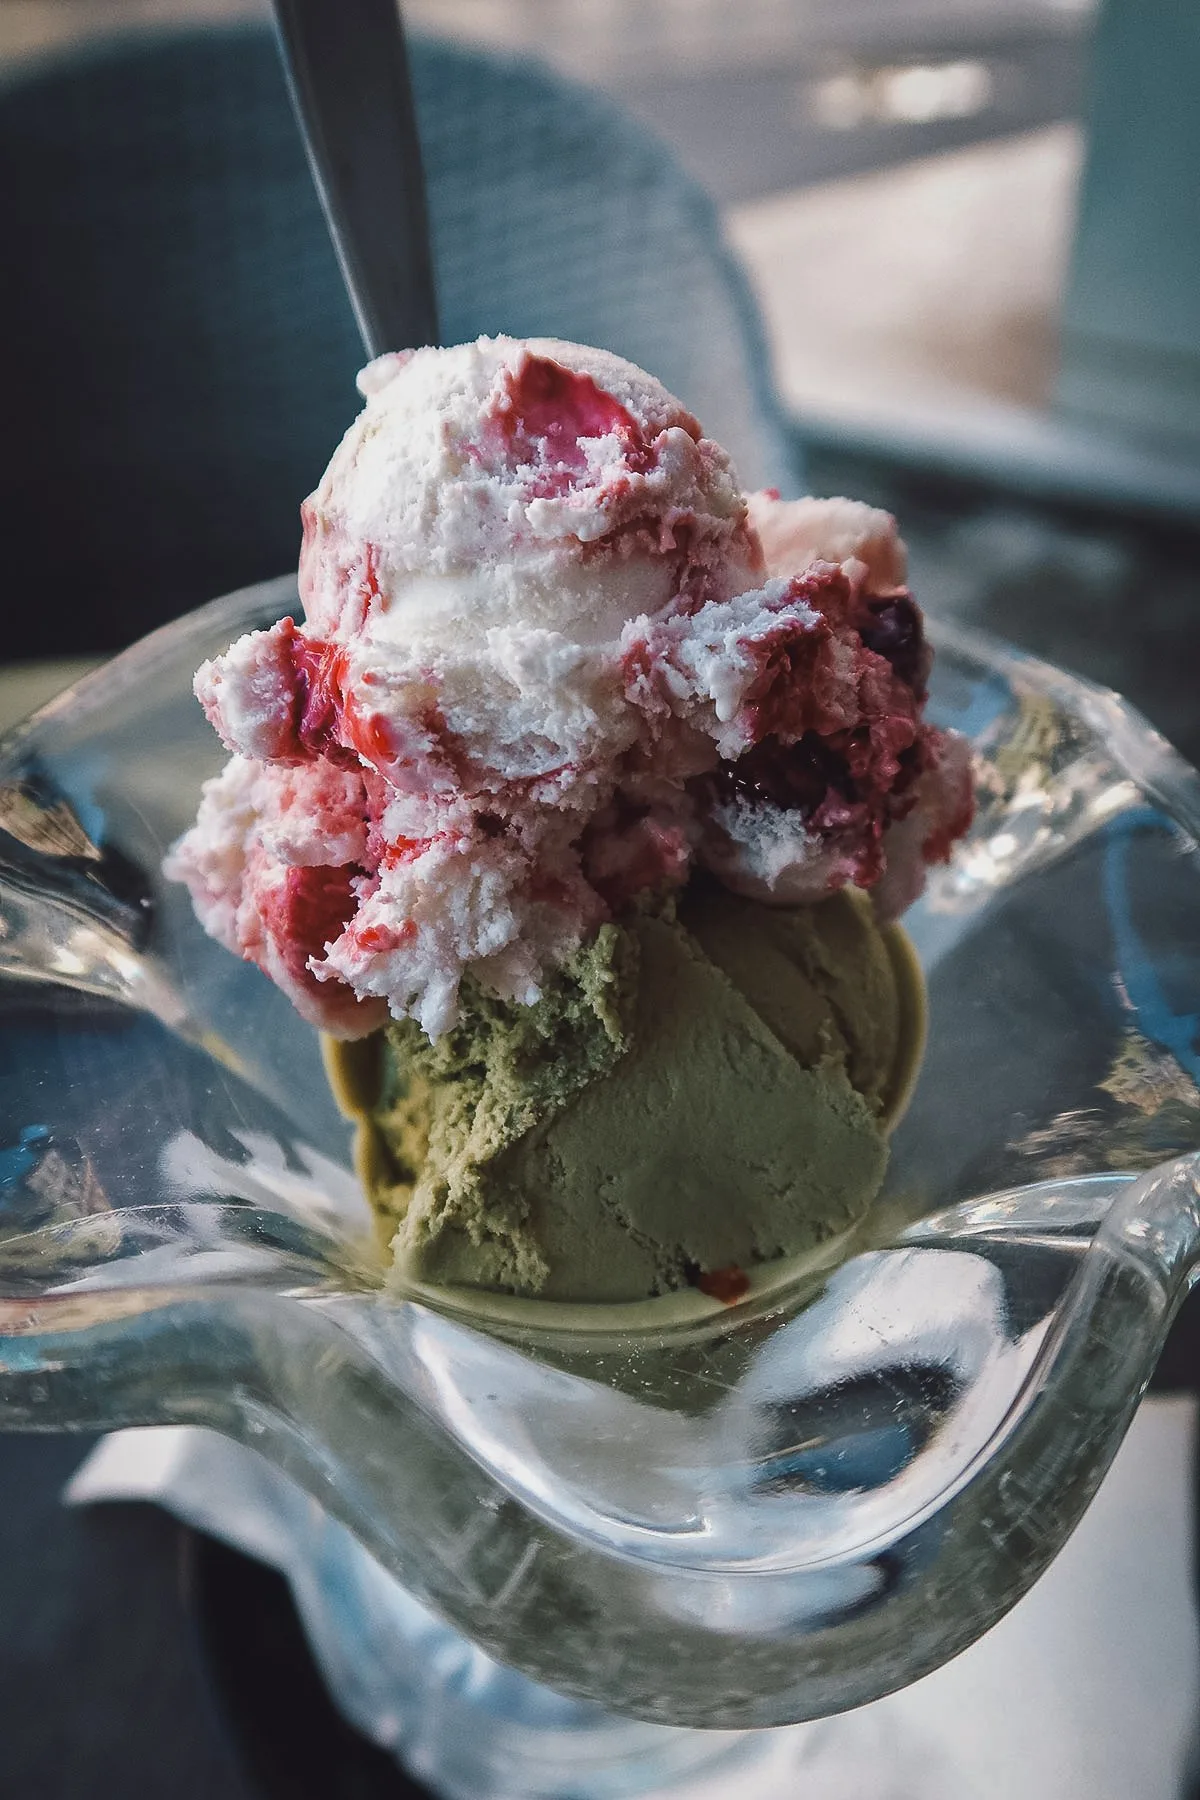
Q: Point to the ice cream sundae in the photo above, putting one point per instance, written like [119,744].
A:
[586,793]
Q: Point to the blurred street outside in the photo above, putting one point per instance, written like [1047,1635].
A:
[898,178]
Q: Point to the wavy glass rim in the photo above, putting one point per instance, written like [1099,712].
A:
[378,1439]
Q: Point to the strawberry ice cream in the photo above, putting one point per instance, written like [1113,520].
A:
[551,658]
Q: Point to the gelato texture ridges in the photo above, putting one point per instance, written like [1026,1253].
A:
[449,1113]
[700,1090]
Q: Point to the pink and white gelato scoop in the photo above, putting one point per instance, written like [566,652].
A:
[552,657]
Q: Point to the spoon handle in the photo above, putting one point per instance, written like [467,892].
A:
[347,68]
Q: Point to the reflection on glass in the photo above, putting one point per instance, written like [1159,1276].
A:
[801,1505]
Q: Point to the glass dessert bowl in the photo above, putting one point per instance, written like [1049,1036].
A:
[732,1515]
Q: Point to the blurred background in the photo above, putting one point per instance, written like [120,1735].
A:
[899,178]
[967,287]
[945,258]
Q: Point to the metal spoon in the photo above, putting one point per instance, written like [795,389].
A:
[348,71]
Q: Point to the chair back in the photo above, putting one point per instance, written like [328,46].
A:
[178,350]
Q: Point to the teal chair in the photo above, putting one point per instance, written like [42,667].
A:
[179,354]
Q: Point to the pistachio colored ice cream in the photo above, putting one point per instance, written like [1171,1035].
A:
[705,1088]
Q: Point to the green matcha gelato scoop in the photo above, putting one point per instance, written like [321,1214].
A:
[699,1091]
